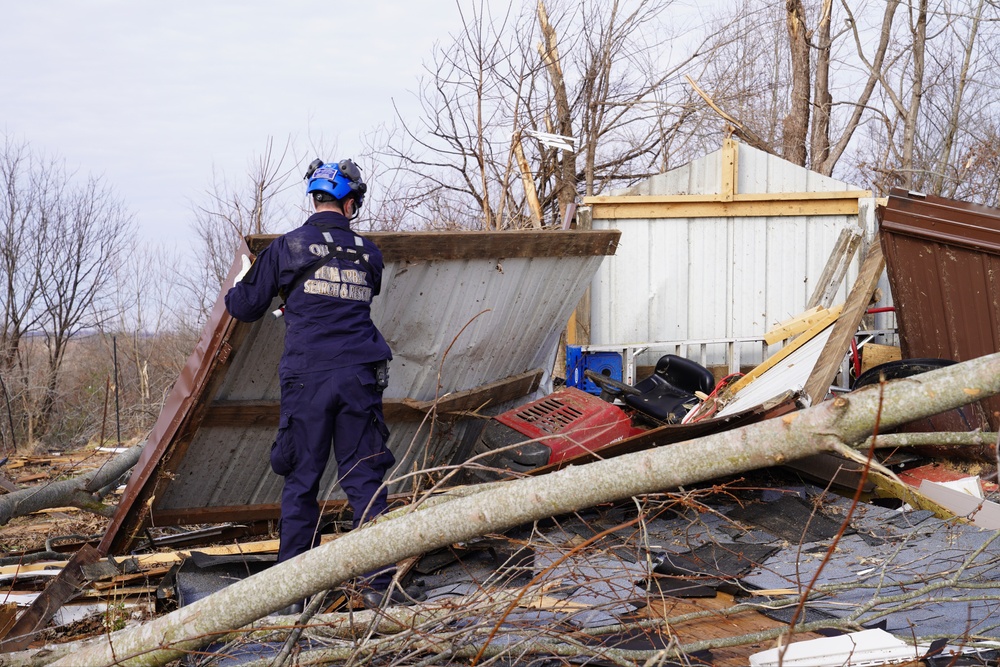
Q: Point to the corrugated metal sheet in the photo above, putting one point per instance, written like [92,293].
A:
[709,278]
[460,311]
[943,261]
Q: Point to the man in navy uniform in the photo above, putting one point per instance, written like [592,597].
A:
[333,369]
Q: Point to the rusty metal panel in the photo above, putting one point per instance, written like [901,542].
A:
[943,262]
[480,308]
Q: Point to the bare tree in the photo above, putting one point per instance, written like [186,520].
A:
[591,71]
[954,122]
[458,155]
[615,105]
[232,210]
[25,234]
[93,230]
[939,111]
[62,242]
[148,336]
[796,81]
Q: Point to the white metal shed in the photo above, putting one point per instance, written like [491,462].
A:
[716,252]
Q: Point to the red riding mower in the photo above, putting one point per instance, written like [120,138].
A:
[569,422]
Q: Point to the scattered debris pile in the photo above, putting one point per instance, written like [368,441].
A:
[749,521]
[721,572]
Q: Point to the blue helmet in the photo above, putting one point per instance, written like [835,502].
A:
[340,181]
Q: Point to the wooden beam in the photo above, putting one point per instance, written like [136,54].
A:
[265,414]
[833,353]
[222,514]
[713,208]
[246,513]
[63,587]
[729,168]
[490,394]
[745,197]
[799,323]
[836,267]
[427,246]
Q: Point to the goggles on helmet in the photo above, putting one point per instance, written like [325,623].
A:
[339,180]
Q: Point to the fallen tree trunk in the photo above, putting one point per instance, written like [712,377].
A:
[826,427]
[942,439]
[79,491]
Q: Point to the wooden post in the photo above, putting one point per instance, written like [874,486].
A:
[730,169]
[836,267]
[578,328]
[832,355]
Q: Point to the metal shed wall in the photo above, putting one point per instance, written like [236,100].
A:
[677,279]
[460,311]
[497,324]
[943,261]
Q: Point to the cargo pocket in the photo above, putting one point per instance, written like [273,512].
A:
[281,462]
[381,437]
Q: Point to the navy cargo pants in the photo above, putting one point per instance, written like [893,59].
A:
[343,408]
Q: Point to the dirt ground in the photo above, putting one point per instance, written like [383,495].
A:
[56,525]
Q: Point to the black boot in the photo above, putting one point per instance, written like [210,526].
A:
[393,596]
[293,609]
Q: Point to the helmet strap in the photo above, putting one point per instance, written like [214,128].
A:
[355,209]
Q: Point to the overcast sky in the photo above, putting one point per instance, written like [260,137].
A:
[153,96]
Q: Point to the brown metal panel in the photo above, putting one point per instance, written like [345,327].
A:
[947,221]
[942,259]
[59,591]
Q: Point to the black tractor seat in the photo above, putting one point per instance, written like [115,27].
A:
[669,392]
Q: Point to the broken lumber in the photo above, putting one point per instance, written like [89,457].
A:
[816,328]
[847,325]
[63,588]
[836,267]
[828,426]
[793,325]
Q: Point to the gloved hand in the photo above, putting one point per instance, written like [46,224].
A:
[243,271]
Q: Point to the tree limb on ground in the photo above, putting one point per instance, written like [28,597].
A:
[81,491]
[846,419]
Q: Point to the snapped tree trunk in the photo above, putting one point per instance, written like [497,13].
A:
[795,126]
[565,168]
[819,151]
[79,491]
[826,427]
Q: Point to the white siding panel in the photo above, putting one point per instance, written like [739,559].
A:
[668,306]
[625,305]
[708,278]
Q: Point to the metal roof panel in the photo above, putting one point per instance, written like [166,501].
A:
[461,310]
